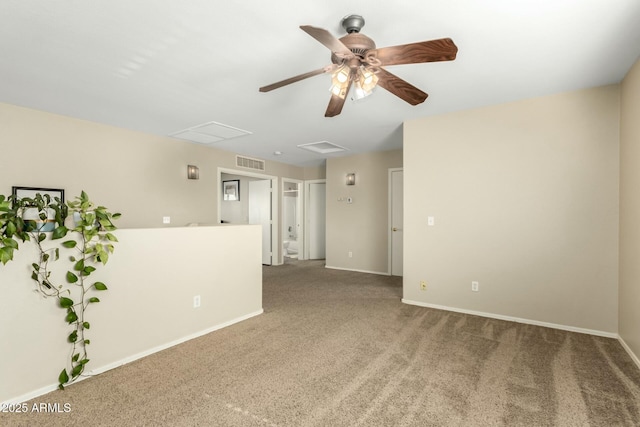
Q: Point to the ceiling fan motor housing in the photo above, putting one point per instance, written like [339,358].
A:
[357,43]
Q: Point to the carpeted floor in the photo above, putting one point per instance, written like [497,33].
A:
[337,348]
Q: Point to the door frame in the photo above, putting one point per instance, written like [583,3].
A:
[275,249]
[390,219]
[301,217]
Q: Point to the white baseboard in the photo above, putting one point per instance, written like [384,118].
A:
[631,353]
[172,343]
[385,273]
[515,319]
[47,389]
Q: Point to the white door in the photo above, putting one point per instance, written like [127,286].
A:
[260,213]
[317,219]
[396,209]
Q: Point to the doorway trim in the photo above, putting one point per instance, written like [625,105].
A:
[390,219]
[275,249]
[301,219]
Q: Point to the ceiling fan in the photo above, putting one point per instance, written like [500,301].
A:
[357,62]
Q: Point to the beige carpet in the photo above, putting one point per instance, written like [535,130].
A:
[337,348]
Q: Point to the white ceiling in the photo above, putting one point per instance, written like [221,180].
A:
[161,66]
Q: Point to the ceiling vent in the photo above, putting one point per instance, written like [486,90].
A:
[210,132]
[249,163]
[322,147]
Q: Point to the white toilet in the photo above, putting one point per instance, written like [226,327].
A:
[290,248]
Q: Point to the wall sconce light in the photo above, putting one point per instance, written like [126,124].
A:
[193,172]
[351,179]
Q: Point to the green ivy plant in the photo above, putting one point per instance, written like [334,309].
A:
[87,246]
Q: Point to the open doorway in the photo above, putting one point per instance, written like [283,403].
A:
[247,198]
[292,220]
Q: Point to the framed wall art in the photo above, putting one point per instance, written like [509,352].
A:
[21,192]
[231,190]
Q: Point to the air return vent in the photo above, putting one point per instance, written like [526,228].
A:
[322,147]
[249,163]
[210,132]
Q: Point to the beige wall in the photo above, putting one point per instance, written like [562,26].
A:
[149,304]
[142,176]
[629,318]
[311,173]
[362,226]
[525,200]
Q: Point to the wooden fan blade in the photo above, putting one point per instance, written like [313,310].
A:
[327,39]
[327,69]
[400,88]
[414,53]
[335,106]
[336,102]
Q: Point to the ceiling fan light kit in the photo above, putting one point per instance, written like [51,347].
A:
[365,83]
[340,80]
[357,62]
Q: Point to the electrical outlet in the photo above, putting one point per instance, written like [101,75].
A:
[196,301]
[423,285]
[475,286]
[166,220]
[350,254]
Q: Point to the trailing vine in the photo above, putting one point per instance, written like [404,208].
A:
[90,242]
